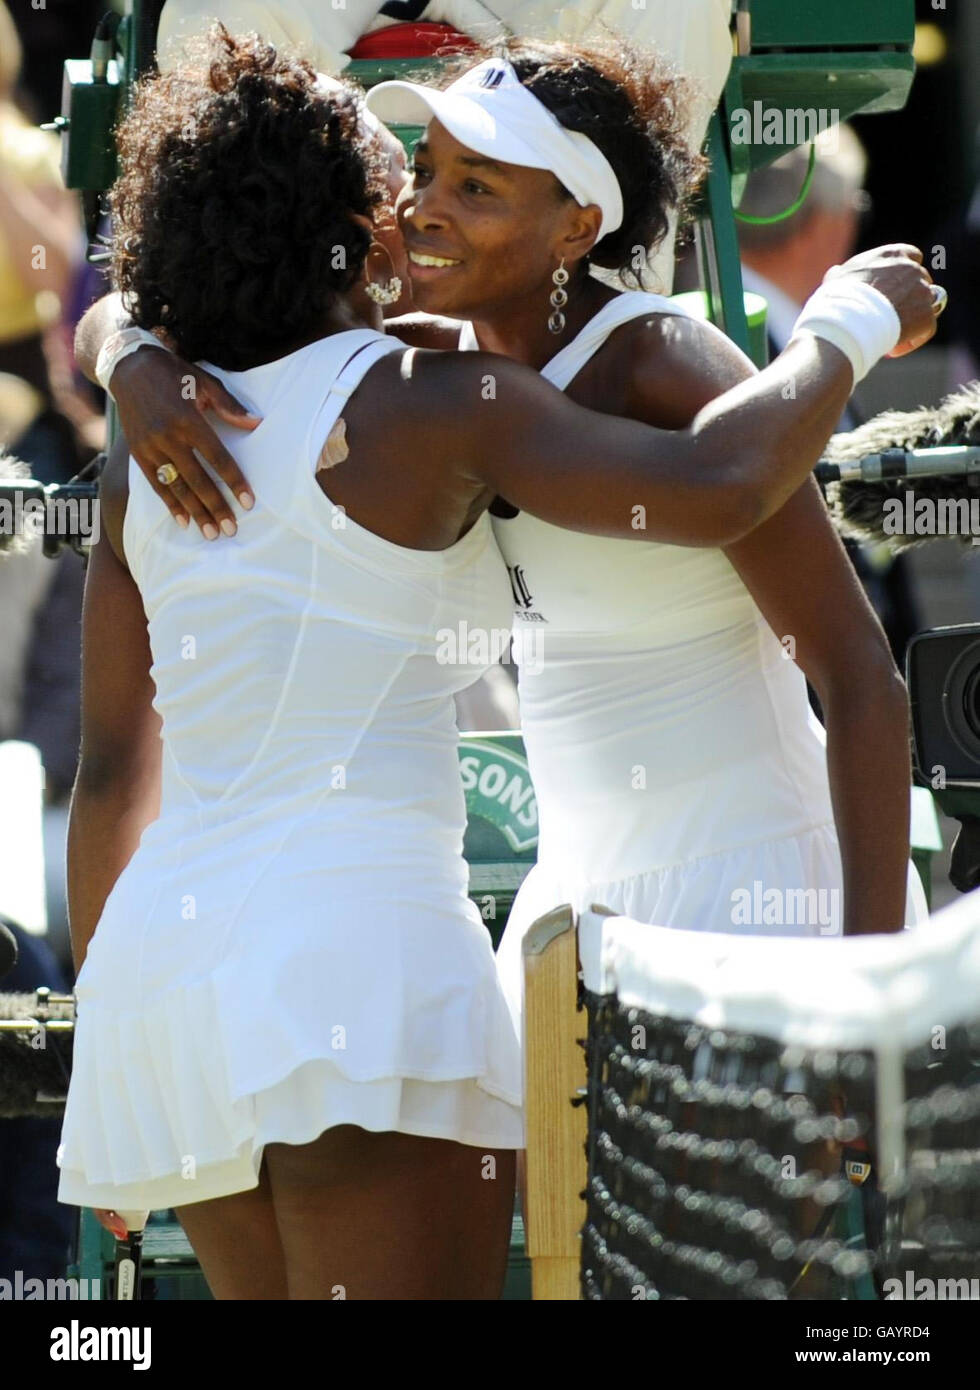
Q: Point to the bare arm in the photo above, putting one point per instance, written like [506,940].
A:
[163,417]
[740,460]
[742,457]
[798,572]
[101,319]
[117,790]
[792,416]
[164,426]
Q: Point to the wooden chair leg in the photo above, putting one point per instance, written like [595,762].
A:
[554,1069]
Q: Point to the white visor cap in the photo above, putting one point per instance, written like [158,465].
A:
[491,112]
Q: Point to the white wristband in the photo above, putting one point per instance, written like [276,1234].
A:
[854,316]
[120,345]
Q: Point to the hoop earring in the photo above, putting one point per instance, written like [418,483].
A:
[388,293]
[559,298]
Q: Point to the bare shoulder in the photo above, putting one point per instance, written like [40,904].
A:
[449,409]
[449,383]
[425,400]
[676,332]
[674,365]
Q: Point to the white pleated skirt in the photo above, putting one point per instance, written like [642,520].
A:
[199,1042]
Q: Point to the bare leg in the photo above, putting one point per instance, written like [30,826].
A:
[392,1216]
[236,1241]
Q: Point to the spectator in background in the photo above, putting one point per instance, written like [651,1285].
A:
[785,262]
[41,247]
[40,251]
[40,693]
[50,718]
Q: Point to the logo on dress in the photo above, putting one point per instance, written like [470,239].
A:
[523,598]
[518,584]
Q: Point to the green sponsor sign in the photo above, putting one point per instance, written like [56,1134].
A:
[500,799]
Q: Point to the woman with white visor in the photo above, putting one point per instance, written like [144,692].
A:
[680,774]
[680,777]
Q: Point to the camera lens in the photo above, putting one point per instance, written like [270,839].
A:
[961,700]
[971,703]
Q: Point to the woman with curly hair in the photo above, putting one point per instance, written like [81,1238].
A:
[289,1022]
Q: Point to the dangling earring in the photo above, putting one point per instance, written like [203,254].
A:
[559,298]
[383,294]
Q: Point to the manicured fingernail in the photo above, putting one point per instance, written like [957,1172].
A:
[183,522]
[210,532]
[229,527]
[247,500]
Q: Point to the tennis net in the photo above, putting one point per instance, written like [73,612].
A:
[775,1118]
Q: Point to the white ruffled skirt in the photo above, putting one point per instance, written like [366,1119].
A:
[356,1000]
[759,889]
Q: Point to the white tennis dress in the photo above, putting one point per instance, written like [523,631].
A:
[292,947]
[681,776]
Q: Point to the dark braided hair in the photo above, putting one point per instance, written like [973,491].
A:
[633,106]
[231,216]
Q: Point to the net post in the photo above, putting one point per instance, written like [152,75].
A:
[554,1070]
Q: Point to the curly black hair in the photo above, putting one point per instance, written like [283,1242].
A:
[634,106]
[231,216]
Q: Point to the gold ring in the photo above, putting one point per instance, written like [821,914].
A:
[940,298]
[167,474]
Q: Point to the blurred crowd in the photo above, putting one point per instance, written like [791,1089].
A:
[50,418]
